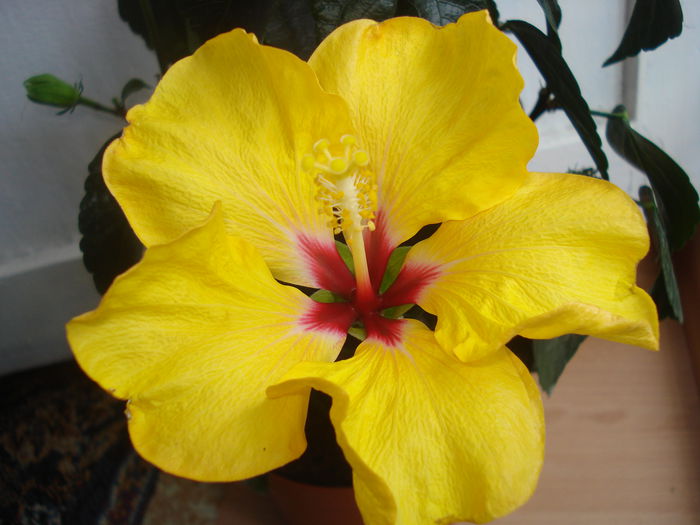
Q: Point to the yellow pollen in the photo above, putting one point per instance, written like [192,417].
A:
[338,165]
[346,189]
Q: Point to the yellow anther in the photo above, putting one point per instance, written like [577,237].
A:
[321,145]
[348,140]
[360,158]
[338,165]
[346,189]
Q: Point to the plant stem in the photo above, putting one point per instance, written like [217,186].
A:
[99,107]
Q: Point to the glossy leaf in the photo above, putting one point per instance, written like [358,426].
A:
[330,14]
[552,356]
[652,23]
[675,195]
[108,243]
[562,83]
[441,12]
[667,292]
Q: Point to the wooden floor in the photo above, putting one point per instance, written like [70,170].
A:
[623,439]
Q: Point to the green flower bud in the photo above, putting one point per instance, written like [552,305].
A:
[47,89]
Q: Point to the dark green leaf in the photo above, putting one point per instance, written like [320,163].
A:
[552,13]
[441,12]
[522,347]
[393,267]
[652,23]
[671,295]
[346,255]
[562,83]
[131,87]
[660,296]
[176,28]
[551,357]
[330,14]
[675,195]
[108,243]
[326,296]
[161,25]
[289,25]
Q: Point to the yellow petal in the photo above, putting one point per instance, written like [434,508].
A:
[558,257]
[191,337]
[438,111]
[230,123]
[431,439]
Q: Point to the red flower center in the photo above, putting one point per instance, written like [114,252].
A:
[366,308]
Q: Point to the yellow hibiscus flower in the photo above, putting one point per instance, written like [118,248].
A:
[388,127]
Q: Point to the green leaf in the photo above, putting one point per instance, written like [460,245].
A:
[346,255]
[131,87]
[393,267]
[522,347]
[175,29]
[552,13]
[660,296]
[551,357]
[441,12]
[287,24]
[668,294]
[652,23]
[329,14]
[326,296]
[675,195]
[108,243]
[562,83]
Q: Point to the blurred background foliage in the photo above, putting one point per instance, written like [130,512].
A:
[174,29]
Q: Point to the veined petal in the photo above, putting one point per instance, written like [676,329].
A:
[438,111]
[231,123]
[558,257]
[431,439]
[191,337]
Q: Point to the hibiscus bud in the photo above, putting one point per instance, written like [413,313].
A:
[47,89]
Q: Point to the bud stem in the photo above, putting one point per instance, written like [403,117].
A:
[120,112]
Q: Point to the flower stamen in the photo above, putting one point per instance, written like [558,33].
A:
[346,194]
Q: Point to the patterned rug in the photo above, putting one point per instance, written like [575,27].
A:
[65,457]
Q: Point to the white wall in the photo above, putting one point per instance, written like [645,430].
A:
[43,163]
[44,157]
